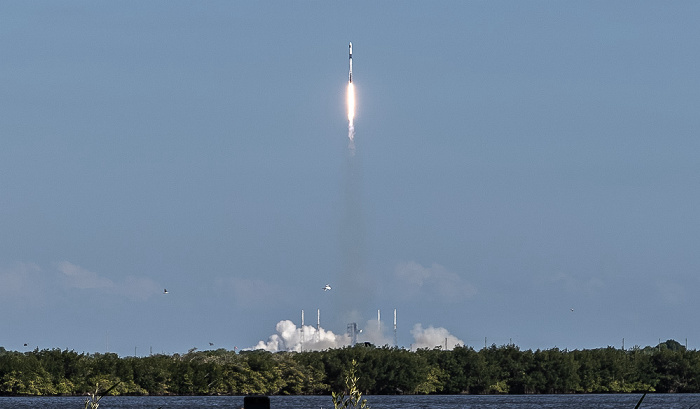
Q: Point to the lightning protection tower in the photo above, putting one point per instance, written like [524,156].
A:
[302,331]
[396,344]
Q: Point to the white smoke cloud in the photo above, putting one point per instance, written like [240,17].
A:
[573,284]
[79,277]
[139,287]
[435,280]
[432,337]
[20,281]
[374,332]
[134,287]
[252,292]
[289,338]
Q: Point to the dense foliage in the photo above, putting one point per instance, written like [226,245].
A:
[668,367]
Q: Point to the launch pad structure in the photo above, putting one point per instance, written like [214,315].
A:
[352,333]
[352,330]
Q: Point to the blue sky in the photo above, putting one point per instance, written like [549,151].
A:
[514,161]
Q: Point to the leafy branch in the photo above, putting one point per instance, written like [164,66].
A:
[93,399]
[354,398]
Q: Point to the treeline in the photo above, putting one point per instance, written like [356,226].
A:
[668,367]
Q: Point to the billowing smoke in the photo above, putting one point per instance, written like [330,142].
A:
[374,333]
[289,337]
[432,337]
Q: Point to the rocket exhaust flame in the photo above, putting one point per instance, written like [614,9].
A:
[351,106]
[351,109]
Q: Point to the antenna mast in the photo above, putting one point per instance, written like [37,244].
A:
[396,344]
[302,330]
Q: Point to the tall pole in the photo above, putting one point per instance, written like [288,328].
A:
[302,330]
[396,344]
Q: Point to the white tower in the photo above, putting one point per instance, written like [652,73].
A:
[302,330]
[318,325]
[396,344]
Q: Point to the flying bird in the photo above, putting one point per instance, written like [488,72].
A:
[165,291]
[327,287]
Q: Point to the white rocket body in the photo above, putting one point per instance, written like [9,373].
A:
[350,62]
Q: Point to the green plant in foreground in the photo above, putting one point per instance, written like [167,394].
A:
[93,399]
[354,399]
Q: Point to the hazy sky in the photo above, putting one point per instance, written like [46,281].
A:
[514,161]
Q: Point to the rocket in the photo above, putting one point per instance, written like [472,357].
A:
[350,62]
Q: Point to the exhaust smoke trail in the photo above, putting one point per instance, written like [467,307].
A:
[354,280]
[357,286]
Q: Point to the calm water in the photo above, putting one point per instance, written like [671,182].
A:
[670,401]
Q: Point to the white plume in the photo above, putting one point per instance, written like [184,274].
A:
[289,338]
[432,337]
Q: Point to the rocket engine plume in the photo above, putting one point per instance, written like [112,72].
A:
[351,106]
[351,110]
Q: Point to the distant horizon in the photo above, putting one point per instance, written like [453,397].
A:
[310,348]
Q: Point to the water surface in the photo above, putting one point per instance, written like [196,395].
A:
[655,401]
